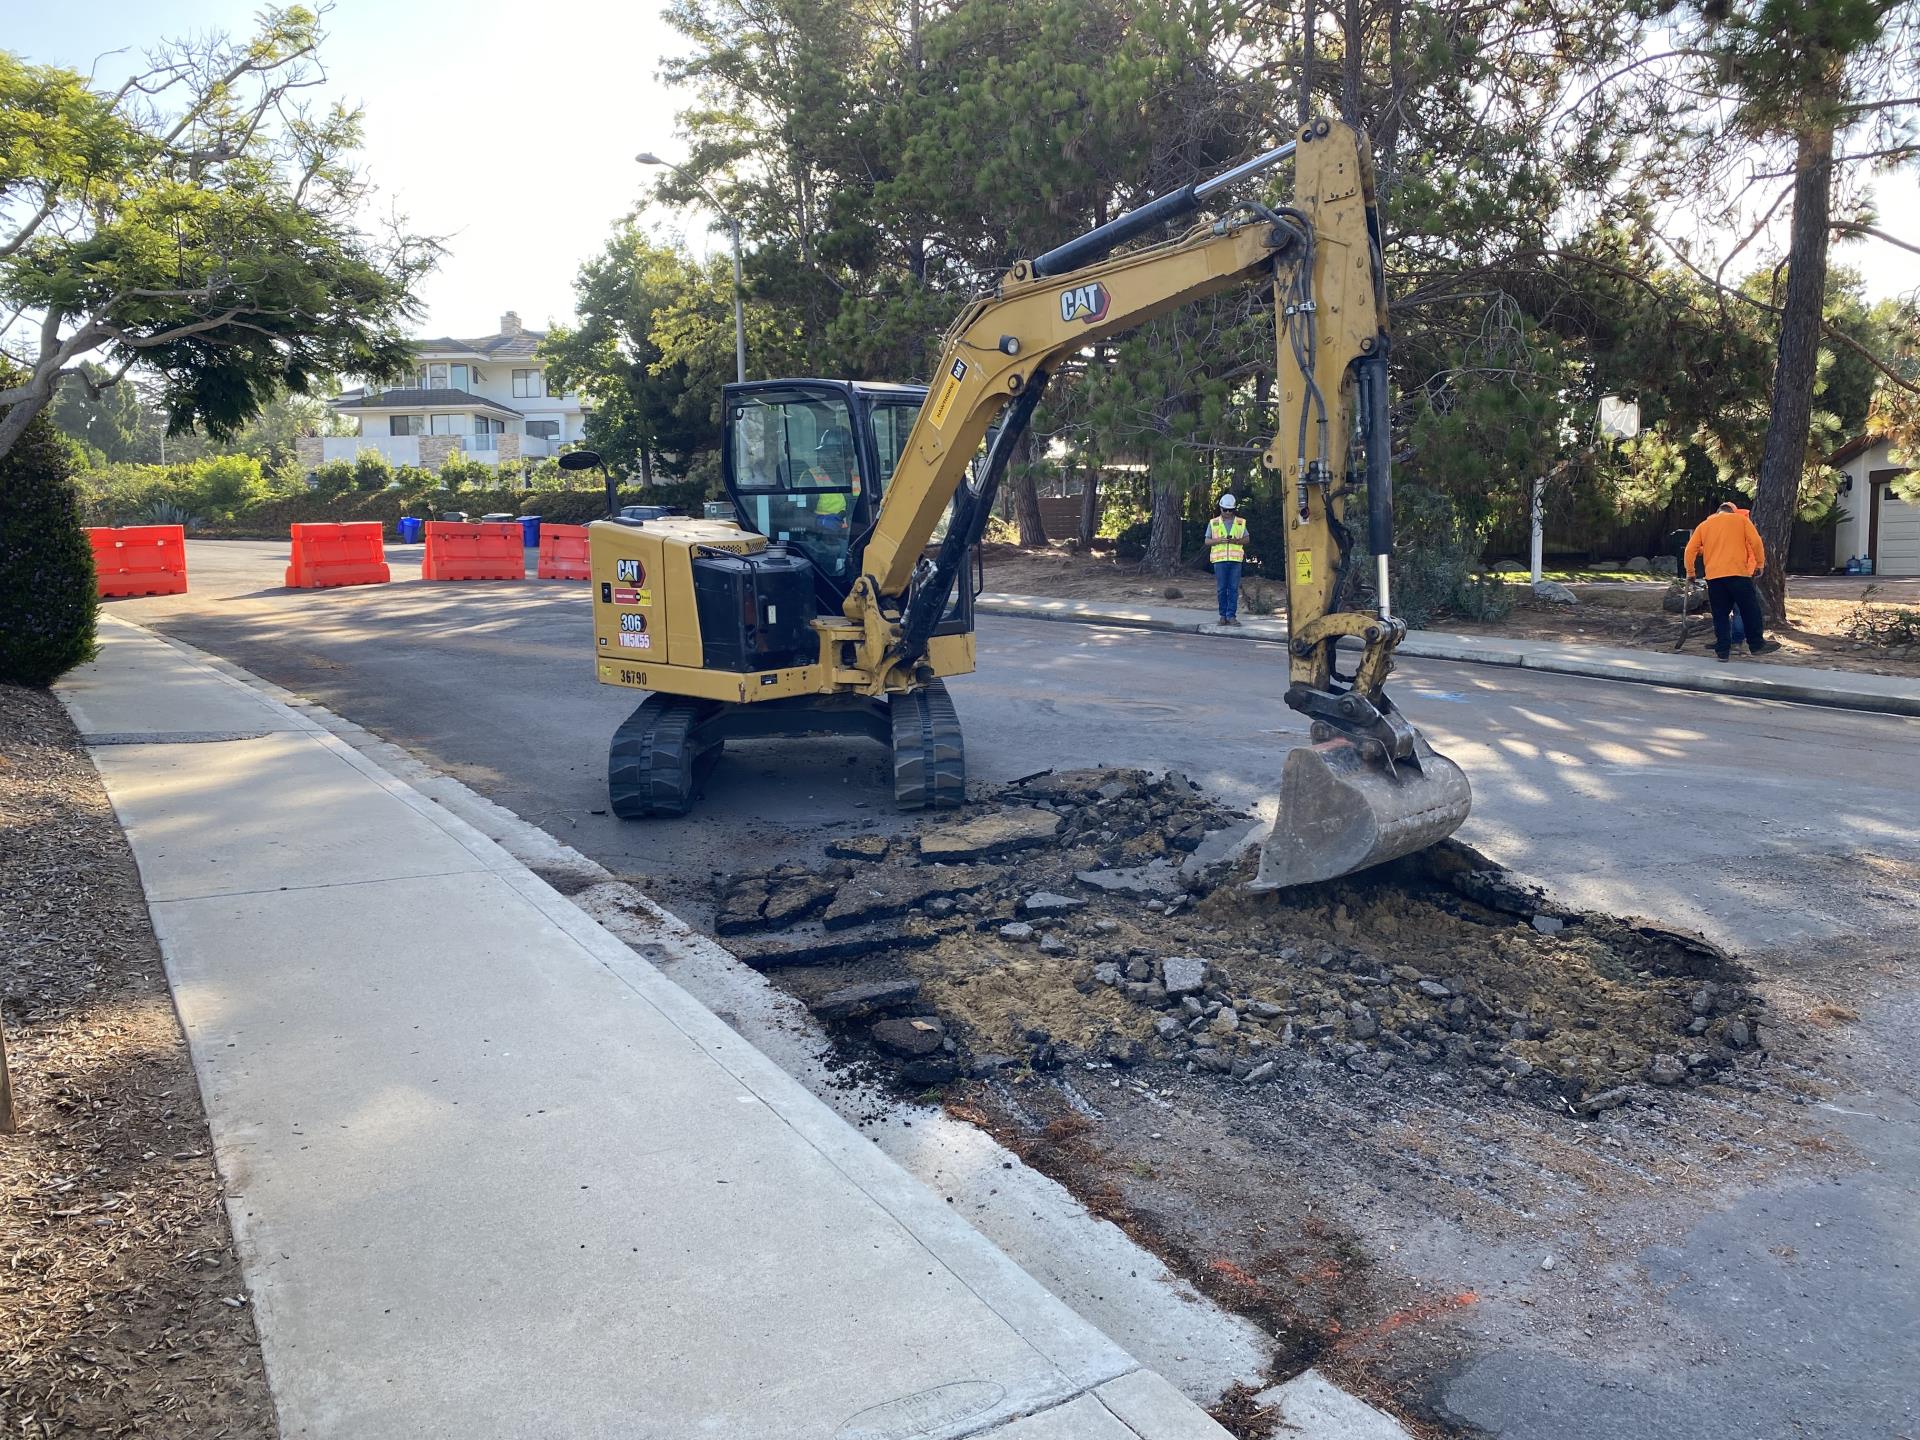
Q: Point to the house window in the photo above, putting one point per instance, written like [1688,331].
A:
[437,376]
[526,385]
[450,424]
[460,377]
[545,429]
[403,424]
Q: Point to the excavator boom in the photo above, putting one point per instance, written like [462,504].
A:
[1369,788]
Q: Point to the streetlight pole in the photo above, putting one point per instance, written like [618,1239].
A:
[647,157]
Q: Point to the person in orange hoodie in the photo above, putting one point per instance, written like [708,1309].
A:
[1730,547]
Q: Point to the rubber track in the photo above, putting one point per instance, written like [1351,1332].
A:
[929,756]
[650,764]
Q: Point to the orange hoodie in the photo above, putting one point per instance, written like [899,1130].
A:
[1730,543]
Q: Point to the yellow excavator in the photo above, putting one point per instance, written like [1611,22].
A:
[839,596]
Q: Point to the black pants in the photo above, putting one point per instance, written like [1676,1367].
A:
[1723,595]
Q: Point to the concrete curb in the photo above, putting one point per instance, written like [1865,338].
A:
[1840,690]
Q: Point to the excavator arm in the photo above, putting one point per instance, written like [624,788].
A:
[1370,787]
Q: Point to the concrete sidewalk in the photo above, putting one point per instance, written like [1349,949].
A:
[490,1174]
[1842,689]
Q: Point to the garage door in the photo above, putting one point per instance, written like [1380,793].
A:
[1899,549]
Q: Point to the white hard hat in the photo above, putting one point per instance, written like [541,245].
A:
[1227,502]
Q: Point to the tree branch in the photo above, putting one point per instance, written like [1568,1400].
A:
[1827,328]
[1853,227]
[1892,152]
[34,222]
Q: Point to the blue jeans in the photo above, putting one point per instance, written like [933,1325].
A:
[1226,586]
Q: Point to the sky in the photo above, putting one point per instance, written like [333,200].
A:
[509,129]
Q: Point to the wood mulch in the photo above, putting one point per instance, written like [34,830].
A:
[122,1308]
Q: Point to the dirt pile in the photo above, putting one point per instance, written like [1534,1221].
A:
[1099,918]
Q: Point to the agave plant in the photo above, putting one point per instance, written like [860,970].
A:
[167,512]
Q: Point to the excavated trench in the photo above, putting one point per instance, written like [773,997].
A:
[1100,917]
[1272,1091]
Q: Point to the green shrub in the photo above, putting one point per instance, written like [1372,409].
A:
[120,494]
[222,484]
[461,471]
[371,471]
[333,478]
[47,588]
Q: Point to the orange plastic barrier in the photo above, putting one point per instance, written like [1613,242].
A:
[473,552]
[351,553]
[563,553]
[140,559]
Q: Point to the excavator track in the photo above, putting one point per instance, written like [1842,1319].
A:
[657,756]
[929,757]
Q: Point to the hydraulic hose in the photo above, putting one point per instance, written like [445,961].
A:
[927,601]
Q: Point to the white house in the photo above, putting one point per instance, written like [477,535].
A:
[486,398]
[1878,523]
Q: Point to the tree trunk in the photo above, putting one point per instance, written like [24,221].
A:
[1351,56]
[17,416]
[646,464]
[1783,457]
[1306,64]
[1163,536]
[1089,507]
[1026,499]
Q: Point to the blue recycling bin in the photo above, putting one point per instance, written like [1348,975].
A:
[412,530]
[530,531]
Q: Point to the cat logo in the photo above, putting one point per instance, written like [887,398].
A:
[627,572]
[1086,303]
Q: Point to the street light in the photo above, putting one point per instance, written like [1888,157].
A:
[647,157]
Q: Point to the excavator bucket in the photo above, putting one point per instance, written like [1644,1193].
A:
[1340,813]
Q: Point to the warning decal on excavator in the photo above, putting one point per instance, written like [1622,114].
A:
[1303,567]
[948,392]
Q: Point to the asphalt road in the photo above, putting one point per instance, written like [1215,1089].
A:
[1790,833]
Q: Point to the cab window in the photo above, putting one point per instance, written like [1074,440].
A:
[796,472]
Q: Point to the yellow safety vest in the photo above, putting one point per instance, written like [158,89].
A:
[1229,541]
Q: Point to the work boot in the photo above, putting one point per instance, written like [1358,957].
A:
[1722,656]
[1765,647]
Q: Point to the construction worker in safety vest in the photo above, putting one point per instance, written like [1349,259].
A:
[832,469]
[1227,551]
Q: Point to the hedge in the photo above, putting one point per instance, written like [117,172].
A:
[269,519]
[47,593]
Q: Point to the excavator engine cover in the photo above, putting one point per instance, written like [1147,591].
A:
[1340,812]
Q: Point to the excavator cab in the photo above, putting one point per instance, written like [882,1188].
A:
[806,464]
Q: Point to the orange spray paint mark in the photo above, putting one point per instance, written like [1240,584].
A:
[1412,1315]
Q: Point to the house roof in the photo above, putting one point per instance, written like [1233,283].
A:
[442,399]
[487,347]
[1855,448]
